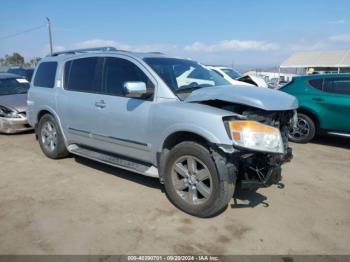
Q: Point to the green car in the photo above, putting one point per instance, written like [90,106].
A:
[324,105]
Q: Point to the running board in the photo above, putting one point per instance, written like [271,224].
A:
[339,134]
[114,160]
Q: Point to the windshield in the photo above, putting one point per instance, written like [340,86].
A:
[231,73]
[184,76]
[13,86]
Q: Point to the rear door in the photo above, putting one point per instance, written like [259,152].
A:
[336,104]
[76,101]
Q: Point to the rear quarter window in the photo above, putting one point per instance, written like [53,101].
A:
[45,74]
[317,83]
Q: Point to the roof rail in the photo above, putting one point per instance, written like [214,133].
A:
[85,50]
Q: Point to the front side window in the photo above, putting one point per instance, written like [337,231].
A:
[118,71]
[13,86]
[231,73]
[217,72]
[45,74]
[82,75]
[339,85]
[184,76]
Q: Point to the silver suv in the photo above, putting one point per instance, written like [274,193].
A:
[163,117]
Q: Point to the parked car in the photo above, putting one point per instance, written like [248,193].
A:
[131,110]
[235,77]
[324,101]
[27,73]
[13,103]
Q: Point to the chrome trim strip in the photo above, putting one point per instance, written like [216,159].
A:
[339,134]
[122,142]
[78,132]
[111,139]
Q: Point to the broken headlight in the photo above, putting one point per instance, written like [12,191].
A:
[256,136]
[8,113]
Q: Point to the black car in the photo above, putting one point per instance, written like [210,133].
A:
[27,73]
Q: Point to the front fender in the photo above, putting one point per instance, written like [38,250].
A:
[191,128]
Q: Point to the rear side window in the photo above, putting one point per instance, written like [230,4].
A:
[339,85]
[117,71]
[317,83]
[45,74]
[82,75]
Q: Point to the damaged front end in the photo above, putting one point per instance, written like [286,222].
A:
[258,128]
[257,166]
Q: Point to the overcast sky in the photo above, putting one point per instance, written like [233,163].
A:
[243,32]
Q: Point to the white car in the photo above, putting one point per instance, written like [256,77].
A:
[235,78]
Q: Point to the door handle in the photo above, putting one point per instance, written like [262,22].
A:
[318,99]
[100,104]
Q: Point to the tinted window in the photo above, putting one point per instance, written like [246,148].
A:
[340,85]
[82,75]
[316,83]
[117,71]
[45,74]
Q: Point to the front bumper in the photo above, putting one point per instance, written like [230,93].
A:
[258,169]
[14,125]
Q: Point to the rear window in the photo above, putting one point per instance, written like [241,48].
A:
[82,75]
[45,74]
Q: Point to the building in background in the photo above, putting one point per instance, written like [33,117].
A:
[319,62]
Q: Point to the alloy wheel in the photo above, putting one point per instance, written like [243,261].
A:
[192,180]
[301,130]
[49,136]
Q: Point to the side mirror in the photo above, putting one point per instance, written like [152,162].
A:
[135,89]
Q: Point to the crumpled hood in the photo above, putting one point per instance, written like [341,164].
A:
[17,102]
[263,98]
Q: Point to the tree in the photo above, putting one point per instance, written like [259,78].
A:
[15,59]
[34,61]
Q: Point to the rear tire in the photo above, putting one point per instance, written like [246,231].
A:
[50,138]
[192,181]
[305,130]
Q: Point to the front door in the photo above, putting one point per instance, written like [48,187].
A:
[335,104]
[124,122]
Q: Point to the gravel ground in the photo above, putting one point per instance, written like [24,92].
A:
[77,206]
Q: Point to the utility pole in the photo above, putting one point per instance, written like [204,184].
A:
[50,35]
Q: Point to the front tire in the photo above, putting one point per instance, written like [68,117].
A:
[305,130]
[50,138]
[192,181]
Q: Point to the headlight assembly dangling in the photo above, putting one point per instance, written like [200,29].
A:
[256,136]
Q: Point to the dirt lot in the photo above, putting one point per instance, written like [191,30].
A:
[76,206]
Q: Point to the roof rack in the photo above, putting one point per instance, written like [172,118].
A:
[156,53]
[85,50]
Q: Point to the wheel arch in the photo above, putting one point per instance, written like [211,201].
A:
[44,111]
[174,139]
[310,113]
